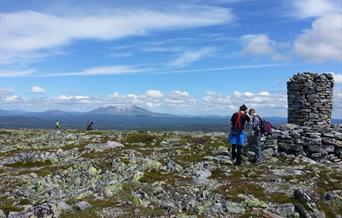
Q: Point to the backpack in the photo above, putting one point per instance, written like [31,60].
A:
[237,128]
[265,127]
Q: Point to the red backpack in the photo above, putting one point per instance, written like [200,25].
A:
[237,128]
[265,127]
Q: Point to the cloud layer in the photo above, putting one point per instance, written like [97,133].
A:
[323,41]
[314,8]
[177,102]
[27,32]
[261,45]
[189,57]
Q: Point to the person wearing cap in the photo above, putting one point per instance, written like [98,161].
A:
[237,136]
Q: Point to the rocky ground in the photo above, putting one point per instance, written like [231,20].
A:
[73,173]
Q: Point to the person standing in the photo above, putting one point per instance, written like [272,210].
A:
[237,136]
[58,125]
[90,125]
[256,135]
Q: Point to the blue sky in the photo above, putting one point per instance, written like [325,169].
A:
[182,57]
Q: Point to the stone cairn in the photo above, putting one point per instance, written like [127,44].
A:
[309,132]
[310,99]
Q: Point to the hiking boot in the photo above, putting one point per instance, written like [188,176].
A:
[237,164]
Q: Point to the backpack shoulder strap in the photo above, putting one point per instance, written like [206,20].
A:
[261,120]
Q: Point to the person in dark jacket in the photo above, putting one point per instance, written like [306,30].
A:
[58,125]
[256,135]
[90,125]
[237,136]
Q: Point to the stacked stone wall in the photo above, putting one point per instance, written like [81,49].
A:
[318,143]
[310,99]
[309,131]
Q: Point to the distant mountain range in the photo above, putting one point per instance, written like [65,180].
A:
[124,110]
[119,117]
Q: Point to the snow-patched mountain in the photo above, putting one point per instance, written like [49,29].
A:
[128,110]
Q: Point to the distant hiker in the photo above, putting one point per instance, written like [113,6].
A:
[237,137]
[256,124]
[58,125]
[90,125]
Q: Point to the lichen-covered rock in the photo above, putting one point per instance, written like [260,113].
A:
[92,171]
[44,211]
[333,197]
[235,208]
[102,147]
[305,198]
[254,202]
[2,214]
[317,143]
[63,207]
[173,166]
[151,165]
[182,177]
[82,205]
[283,210]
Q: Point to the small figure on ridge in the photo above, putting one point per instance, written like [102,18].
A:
[58,125]
[90,125]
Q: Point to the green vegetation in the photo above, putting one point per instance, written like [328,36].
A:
[29,164]
[88,213]
[152,176]
[217,173]
[141,136]
[5,132]
[186,149]
[50,169]
[7,206]
[186,157]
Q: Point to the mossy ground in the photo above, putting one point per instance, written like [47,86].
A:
[29,164]
[7,206]
[186,149]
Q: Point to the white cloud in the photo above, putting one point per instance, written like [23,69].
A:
[258,44]
[314,8]
[264,102]
[115,95]
[237,93]
[248,94]
[337,78]
[101,70]
[323,42]
[179,102]
[14,73]
[6,91]
[132,96]
[13,98]
[179,94]
[154,93]
[37,90]
[72,100]
[189,57]
[27,32]
[264,93]
[125,69]
[261,45]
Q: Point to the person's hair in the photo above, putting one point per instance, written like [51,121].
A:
[251,111]
[243,107]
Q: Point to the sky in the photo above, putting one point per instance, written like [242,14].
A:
[193,57]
